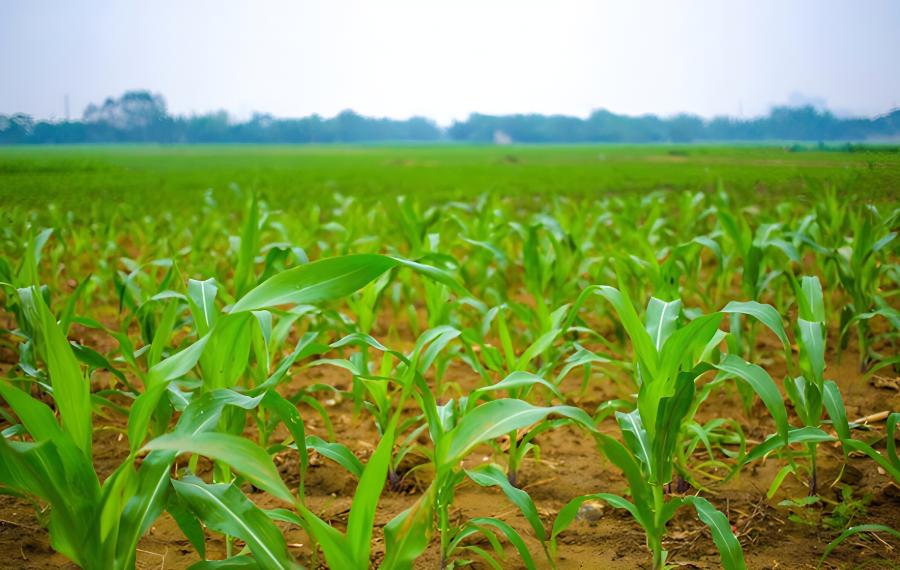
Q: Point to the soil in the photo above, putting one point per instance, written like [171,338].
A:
[569,466]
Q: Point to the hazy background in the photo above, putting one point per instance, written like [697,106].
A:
[447,59]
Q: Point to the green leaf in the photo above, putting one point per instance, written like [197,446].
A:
[243,272]
[729,548]
[569,512]
[644,349]
[406,536]
[862,447]
[812,348]
[493,476]
[202,300]
[661,320]
[188,523]
[240,562]
[328,279]
[637,483]
[337,551]
[365,500]
[201,415]
[672,411]
[337,452]
[797,435]
[766,314]
[636,438]
[71,390]
[891,445]
[514,538]
[242,455]
[758,379]
[513,381]
[288,415]
[685,345]
[493,419]
[812,304]
[852,531]
[36,416]
[834,405]
[158,377]
[223,508]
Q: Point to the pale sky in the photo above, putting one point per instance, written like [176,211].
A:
[447,59]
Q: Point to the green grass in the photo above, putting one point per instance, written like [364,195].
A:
[68,174]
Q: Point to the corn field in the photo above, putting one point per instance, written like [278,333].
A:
[673,378]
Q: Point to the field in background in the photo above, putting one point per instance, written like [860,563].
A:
[69,174]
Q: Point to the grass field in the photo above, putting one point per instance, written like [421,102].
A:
[440,357]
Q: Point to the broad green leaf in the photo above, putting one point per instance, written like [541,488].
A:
[407,535]
[812,305]
[797,435]
[758,379]
[729,548]
[202,296]
[242,455]
[288,415]
[492,476]
[249,244]
[672,411]
[223,508]
[71,390]
[36,416]
[637,440]
[834,405]
[337,452]
[493,419]
[812,348]
[158,377]
[686,344]
[644,349]
[328,279]
[661,320]
[338,552]
[569,512]
[188,523]
[202,414]
[514,381]
[637,482]
[766,314]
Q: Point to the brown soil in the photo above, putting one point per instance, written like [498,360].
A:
[569,466]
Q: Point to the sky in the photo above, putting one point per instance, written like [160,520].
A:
[447,59]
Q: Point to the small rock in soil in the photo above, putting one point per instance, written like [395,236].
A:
[590,512]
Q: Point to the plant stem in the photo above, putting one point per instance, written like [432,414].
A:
[655,538]
[444,516]
[812,468]
[512,465]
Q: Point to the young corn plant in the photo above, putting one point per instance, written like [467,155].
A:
[670,357]
[456,430]
[521,371]
[813,396]
[381,400]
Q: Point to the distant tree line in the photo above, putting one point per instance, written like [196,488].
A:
[140,116]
